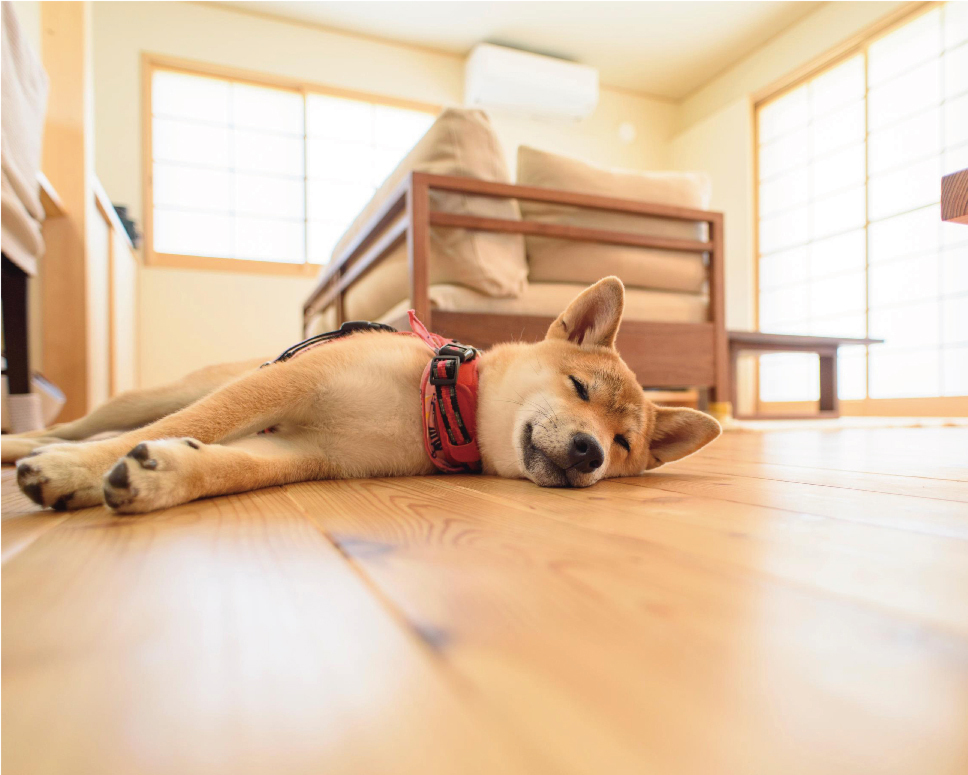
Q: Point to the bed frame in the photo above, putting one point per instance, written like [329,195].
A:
[662,355]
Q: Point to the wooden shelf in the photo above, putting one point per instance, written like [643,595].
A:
[49,198]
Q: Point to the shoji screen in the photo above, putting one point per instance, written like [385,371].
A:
[265,173]
[850,236]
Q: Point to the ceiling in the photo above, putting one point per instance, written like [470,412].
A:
[666,49]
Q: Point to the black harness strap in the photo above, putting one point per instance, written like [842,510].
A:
[350,327]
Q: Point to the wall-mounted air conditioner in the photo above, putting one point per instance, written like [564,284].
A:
[505,79]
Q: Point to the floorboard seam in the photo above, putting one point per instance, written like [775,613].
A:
[841,470]
[733,570]
[19,549]
[832,486]
[385,602]
[804,512]
[450,674]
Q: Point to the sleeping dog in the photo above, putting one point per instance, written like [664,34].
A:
[563,412]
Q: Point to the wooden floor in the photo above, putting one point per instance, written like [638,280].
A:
[785,602]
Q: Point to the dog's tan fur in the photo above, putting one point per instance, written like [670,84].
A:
[351,409]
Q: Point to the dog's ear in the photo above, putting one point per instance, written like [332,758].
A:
[593,318]
[679,432]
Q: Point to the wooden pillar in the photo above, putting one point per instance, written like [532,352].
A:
[418,246]
[68,162]
[720,406]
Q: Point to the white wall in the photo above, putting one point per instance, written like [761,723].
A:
[811,37]
[597,139]
[721,146]
[191,318]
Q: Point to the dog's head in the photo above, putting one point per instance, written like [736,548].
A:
[567,411]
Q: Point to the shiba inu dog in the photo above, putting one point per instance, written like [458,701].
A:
[563,412]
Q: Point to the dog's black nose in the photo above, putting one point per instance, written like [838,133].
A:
[586,453]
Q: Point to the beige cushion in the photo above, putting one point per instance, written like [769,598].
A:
[553,260]
[548,299]
[460,142]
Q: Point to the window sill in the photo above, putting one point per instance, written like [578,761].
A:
[235,265]
[939,406]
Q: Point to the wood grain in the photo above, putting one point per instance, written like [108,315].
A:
[789,342]
[653,350]
[930,453]
[236,265]
[895,484]
[228,636]
[555,196]
[717,310]
[21,523]
[49,198]
[68,267]
[781,602]
[611,652]
[563,231]
[954,197]
[418,248]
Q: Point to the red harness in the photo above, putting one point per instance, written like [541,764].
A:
[448,393]
[448,396]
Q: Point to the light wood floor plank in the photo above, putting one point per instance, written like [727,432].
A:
[782,602]
[920,576]
[613,652]
[932,453]
[889,484]
[229,636]
[22,523]
[916,515]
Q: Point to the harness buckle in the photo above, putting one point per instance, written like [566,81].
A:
[452,352]
[450,378]
[464,352]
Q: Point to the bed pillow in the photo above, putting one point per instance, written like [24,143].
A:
[460,142]
[554,260]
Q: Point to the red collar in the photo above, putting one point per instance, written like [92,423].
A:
[448,392]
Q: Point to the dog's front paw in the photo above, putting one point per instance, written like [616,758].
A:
[60,476]
[153,475]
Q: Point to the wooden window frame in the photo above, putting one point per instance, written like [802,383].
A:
[152,62]
[933,406]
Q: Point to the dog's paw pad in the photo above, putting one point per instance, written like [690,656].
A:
[142,454]
[58,477]
[150,476]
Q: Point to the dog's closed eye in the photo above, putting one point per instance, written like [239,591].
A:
[580,388]
[623,442]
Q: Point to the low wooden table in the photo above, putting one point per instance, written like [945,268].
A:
[824,346]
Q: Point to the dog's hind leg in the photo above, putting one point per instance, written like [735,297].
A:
[160,474]
[129,410]
[69,475]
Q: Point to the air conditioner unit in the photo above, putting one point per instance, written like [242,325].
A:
[505,79]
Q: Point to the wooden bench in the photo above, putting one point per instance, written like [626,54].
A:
[824,346]
[662,354]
